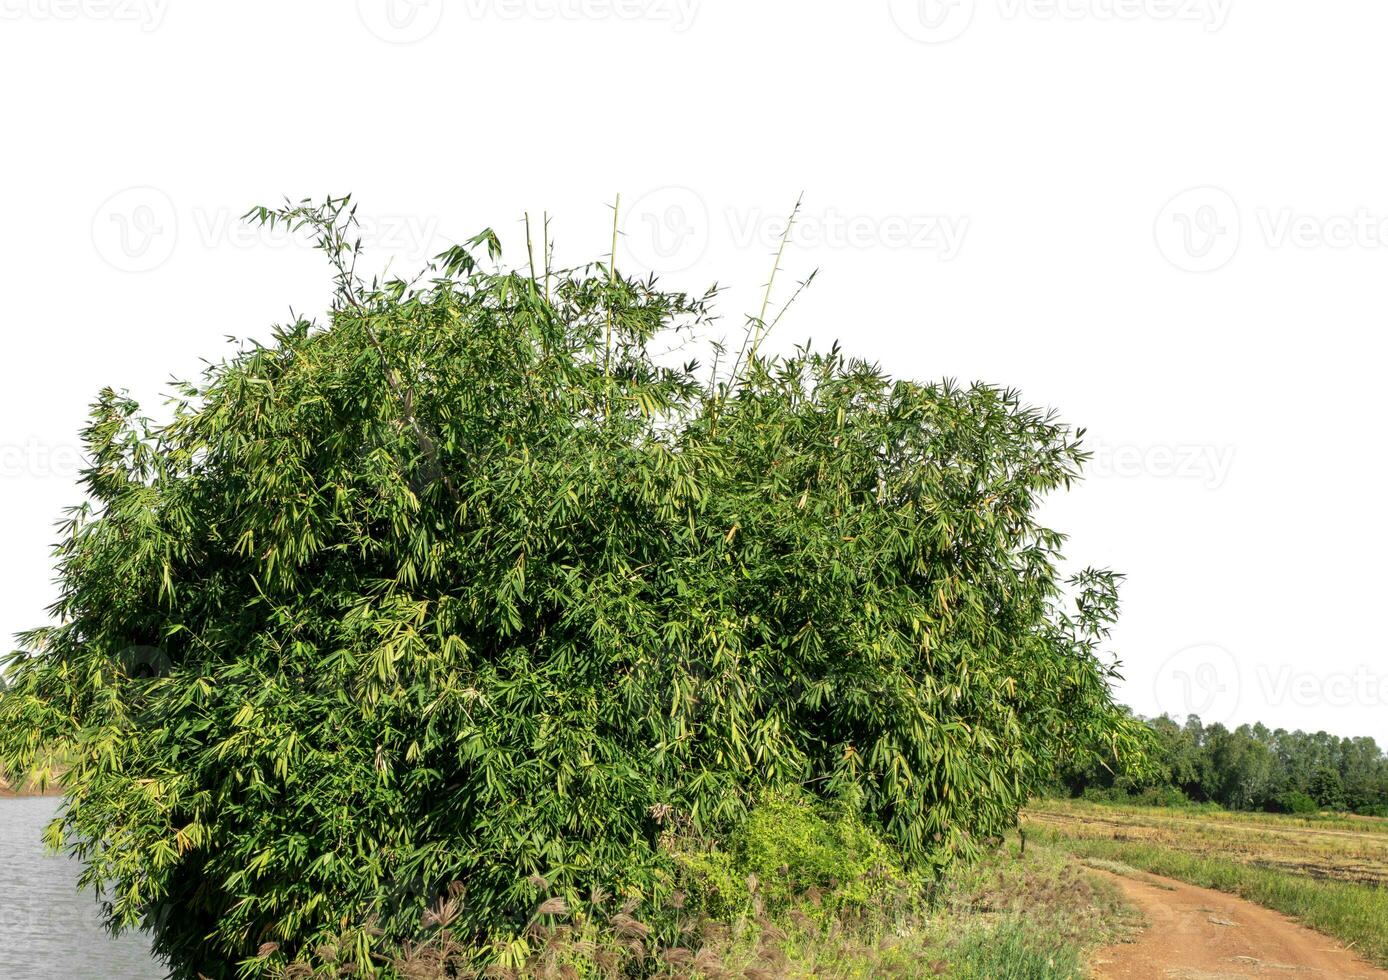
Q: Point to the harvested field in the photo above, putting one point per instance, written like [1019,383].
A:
[1334,848]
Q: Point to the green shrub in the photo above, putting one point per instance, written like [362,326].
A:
[1168,796]
[1296,802]
[1105,794]
[795,852]
[795,848]
[469,585]
[1161,796]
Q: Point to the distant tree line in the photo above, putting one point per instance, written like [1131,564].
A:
[1251,767]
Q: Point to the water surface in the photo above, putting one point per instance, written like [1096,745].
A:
[49,930]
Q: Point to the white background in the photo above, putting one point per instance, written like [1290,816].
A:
[1165,218]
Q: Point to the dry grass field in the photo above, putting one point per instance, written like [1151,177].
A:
[1352,849]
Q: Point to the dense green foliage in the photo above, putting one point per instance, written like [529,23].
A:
[1249,768]
[468,585]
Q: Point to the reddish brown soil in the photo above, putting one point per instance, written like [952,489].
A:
[1198,934]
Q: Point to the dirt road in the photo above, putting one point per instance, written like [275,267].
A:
[1198,934]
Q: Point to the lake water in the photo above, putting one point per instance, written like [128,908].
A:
[48,930]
